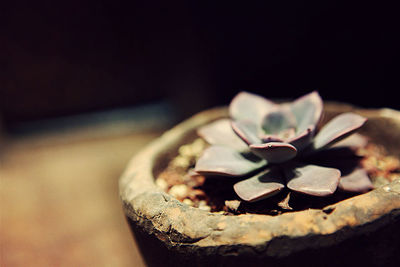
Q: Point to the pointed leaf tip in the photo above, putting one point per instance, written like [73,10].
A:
[307,110]
[246,130]
[274,152]
[338,128]
[302,139]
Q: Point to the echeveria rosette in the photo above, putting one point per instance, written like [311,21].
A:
[270,145]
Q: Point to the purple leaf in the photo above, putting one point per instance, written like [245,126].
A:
[357,182]
[260,186]
[266,138]
[353,141]
[274,152]
[338,128]
[303,139]
[220,133]
[247,131]
[307,110]
[222,160]
[278,121]
[313,180]
[248,106]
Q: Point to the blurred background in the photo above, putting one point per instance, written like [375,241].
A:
[85,84]
[68,57]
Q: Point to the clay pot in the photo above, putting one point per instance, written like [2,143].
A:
[360,231]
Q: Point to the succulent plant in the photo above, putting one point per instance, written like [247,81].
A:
[272,146]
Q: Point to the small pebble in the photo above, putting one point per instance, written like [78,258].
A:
[186,151]
[220,212]
[162,184]
[181,162]
[188,202]
[178,191]
[198,146]
[206,208]
[203,205]
[197,193]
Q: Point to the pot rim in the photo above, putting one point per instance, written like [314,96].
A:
[177,224]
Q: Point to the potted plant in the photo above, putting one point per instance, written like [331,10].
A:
[218,204]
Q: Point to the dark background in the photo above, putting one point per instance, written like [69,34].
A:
[63,58]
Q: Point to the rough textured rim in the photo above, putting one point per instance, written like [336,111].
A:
[178,225]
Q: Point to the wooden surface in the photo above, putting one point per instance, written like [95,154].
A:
[59,200]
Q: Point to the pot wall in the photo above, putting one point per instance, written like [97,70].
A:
[362,229]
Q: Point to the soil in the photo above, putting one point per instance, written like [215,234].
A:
[216,194]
